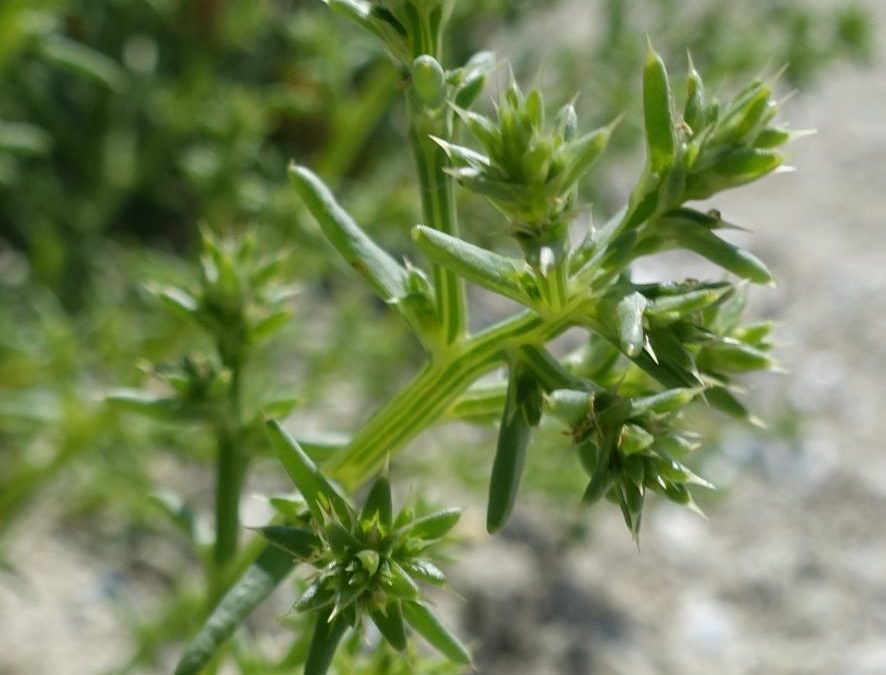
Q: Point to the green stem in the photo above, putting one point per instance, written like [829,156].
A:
[430,395]
[553,288]
[229,474]
[438,208]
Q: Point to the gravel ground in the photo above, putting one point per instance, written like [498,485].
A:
[787,576]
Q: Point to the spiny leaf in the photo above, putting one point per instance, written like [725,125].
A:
[433,526]
[726,255]
[581,154]
[260,579]
[389,621]
[383,273]
[427,624]
[485,268]
[328,632]
[318,492]
[661,137]
[379,504]
[510,457]
[298,542]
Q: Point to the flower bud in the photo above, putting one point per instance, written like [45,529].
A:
[429,80]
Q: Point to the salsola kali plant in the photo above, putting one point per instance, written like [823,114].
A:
[652,349]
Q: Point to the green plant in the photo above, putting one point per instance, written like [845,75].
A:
[652,349]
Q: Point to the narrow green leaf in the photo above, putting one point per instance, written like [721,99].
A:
[269,325]
[433,526]
[156,407]
[661,136]
[340,539]
[280,408]
[473,77]
[674,471]
[588,454]
[665,402]
[548,371]
[379,504]
[726,255]
[317,491]
[693,113]
[732,357]
[481,404]
[178,511]
[582,153]
[383,273]
[357,11]
[510,457]
[298,542]
[426,571]
[490,270]
[772,138]
[390,624]
[427,624]
[496,190]
[601,478]
[259,580]
[398,581]
[634,469]
[327,635]
[461,156]
[482,128]
[755,334]
[469,91]
[370,561]
[725,401]
[732,168]
[673,307]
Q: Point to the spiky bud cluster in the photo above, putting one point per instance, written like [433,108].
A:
[629,445]
[528,169]
[238,299]
[369,563]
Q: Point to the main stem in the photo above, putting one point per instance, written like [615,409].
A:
[229,472]
[438,208]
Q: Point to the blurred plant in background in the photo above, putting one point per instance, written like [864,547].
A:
[124,124]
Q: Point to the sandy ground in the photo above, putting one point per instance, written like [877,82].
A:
[788,577]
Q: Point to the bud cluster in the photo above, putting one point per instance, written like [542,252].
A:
[528,170]
[732,144]
[369,564]
[238,301]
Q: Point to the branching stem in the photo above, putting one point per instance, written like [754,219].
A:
[425,400]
